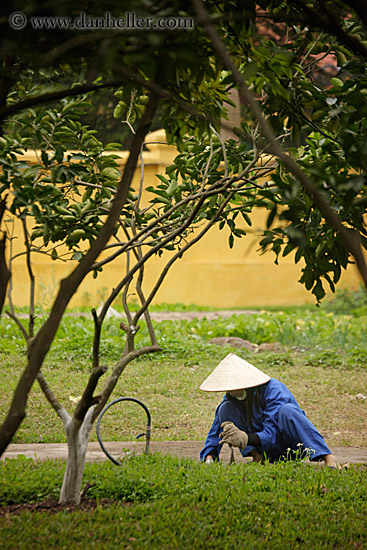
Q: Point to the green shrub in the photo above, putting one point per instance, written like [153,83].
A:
[348,302]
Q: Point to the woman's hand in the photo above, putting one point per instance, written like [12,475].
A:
[331,462]
[233,436]
[256,456]
[209,459]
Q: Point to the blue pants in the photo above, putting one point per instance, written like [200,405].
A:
[295,432]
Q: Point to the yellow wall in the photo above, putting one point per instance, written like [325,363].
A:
[209,274]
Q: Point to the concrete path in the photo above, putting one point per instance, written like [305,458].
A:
[181,449]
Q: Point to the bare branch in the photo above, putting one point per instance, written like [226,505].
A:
[143,301]
[126,289]
[38,250]
[179,255]
[52,399]
[138,254]
[141,182]
[160,245]
[219,186]
[223,145]
[87,400]
[207,164]
[115,375]
[31,279]
[96,339]
[131,330]
[10,265]
[4,271]
[19,324]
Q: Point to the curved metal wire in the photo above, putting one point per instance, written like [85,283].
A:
[147,433]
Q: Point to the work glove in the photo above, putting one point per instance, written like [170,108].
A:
[233,436]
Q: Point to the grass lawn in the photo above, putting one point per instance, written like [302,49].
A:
[163,502]
[322,359]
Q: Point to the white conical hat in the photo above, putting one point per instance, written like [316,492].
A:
[234,373]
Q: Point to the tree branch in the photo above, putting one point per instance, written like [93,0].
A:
[216,188]
[126,289]
[96,339]
[179,255]
[154,249]
[19,324]
[31,279]
[52,399]
[4,271]
[138,254]
[35,100]
[115,375]
[87,400]
[165,94]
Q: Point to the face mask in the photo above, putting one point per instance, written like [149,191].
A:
[241,397]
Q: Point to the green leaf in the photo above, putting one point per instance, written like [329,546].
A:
[171,169]
[320,249]
[77,234]
[246,217]
[79,156]
[298,255]
[31,171]
[45,159]
[318,290]
[337,82]
[160,193]
[113,146]
[111,173]
[162,178]
[36,233]
[36,211]
[118,112]
[59,153]
[271,216]
[172,188]
[288,249]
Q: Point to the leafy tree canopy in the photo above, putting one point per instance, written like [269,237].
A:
[305,63]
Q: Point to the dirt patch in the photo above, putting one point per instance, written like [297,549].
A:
[180,449]
[51,506]
[191,315]
[240,343]
[172,315]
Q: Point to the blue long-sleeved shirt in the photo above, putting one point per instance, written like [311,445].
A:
[273,395]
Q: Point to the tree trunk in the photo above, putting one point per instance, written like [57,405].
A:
[77,436]
[4,271]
